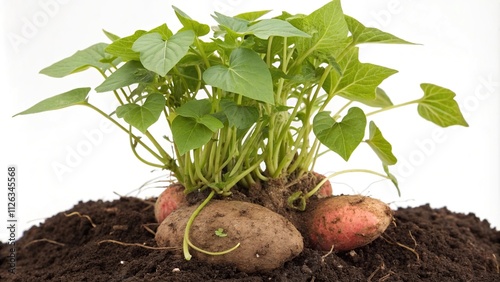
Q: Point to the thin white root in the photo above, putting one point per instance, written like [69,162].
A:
[327,254]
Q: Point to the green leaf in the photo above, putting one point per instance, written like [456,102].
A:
[392,178]
[362,34]
[341,137]
[252,16]
[235,24]
[189,134]
[161,55]
[190,24]
[246,74]
[124,76]
[92,56]
[73,97]
[142,117]
[327,27]
[381,100]
[200,110]
[220,232]
[122,47]
[195,108]
[163,30]
[274,27]
[211,122]
[241,117]
[438,106]
[111,36]
[358,81]
[380,145]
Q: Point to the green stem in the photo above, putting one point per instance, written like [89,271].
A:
[137,139]
[393,107]
[187,243]
[133,145]
[240,176]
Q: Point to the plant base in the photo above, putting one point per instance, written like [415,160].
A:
[426,245]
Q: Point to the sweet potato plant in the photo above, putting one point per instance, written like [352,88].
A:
[247,107]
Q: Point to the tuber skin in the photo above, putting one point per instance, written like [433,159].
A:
[169,200]
[346,222]
[266,239]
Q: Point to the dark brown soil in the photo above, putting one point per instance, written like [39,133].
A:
[425,244]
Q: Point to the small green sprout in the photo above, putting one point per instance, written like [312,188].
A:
[220,232]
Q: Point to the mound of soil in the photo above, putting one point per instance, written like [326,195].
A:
[113,241]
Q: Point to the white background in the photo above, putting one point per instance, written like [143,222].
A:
[456,167]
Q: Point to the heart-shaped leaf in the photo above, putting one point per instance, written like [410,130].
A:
[438,106]
[161,55]
[380,145]
[195,108]
[189,134]
[194,125]
[241,117]
[142,116]
[341,137]
[73,97]
[247,74]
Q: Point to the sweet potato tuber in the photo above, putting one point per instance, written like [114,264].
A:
[169,200]
[267,239]
[347,222]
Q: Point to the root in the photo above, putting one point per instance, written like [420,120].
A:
[381,267]
[82,215]
[137,245]
[327,254]
[146,226]
[44,240]
[383,278]
[413,250]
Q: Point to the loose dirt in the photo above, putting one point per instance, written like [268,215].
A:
[112,241]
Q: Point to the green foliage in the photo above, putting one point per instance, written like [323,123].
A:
[246,74]
[439,107]
[73,97]
[250,102]
[341,137]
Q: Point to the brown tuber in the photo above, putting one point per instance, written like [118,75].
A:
[267,240]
